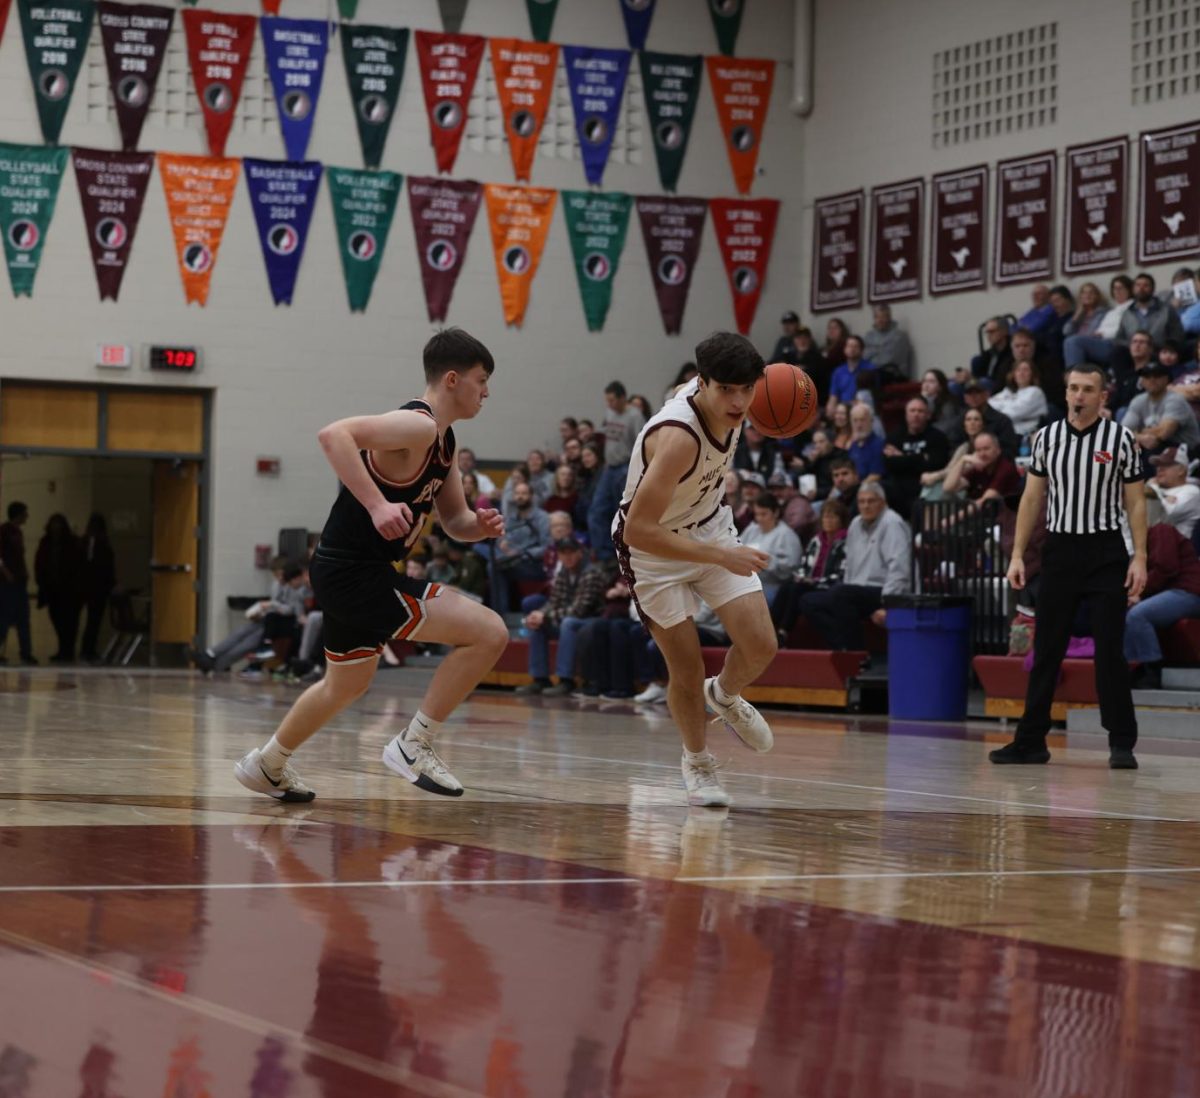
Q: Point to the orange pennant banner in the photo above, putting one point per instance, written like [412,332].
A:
[520,219]
[525,78]
[199,191]
[742,90]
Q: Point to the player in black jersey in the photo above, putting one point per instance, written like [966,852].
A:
[395,470]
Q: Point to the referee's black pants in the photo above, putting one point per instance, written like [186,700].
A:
[1074,567]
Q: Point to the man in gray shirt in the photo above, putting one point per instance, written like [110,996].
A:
[621,424]
[878,563]
[885,344]
[1158,417]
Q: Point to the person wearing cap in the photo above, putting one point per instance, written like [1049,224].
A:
[795,510]
[1158,417]
[1172,593]
[755,453]
[886,344]
[975,395]
[785,345]
[1180,499]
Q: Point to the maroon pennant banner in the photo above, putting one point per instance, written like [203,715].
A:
[957,246]
[672,229]
[1094,208]
[135,43]
[443,214]
[112,187]
[1024,230]
[1169,207]
[837,252]
[896,241]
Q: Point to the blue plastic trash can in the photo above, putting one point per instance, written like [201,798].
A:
[929,655]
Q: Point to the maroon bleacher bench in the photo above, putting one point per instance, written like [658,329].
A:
[1004,680]
[1181,643]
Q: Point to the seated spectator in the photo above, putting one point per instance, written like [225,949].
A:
[1158,417]
[795,510]
[473,494]
[1090,311]
[541,480]
[642,404]
[1148,314]
[1040,313]
[775,538]
[820,566]
[846,483]
[1022,399]
[866,447]
[855,375]
[1098,347]
[944,411]
[812,362]
[1189,312]
[562,527]
[1051,337]
[1170,355]
[684,374]
[466,464]
[1172,592]
[467,574]
[1187,385]
[587,431]
[878,563]
[816,462]
[756,453]
[839,423]
[976,396]
[518,474]
[614,651]
[982,475]
[733,499]
[1124,373]
[1025,349]
[1183,285]
[910,453]
[836,334]
[992,364]
[753,486]
[586,479]
[518,554]
[568,431]
[885,344]
[439,569]
[1179,497]
[785,346]
[286,598]
[933,482]
[564,496]
[572,454]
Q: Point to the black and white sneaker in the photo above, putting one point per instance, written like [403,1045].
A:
[287,788]
[416,760]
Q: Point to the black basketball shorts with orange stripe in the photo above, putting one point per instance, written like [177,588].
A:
[366,604]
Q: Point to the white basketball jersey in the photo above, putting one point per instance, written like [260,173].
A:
[699,495]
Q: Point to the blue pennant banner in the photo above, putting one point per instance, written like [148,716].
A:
[282,195]
[638,14]
[597,81]
[296,50]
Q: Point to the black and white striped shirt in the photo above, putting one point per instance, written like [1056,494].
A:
[1087,473]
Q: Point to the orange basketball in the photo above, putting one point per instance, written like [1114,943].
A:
[784,401]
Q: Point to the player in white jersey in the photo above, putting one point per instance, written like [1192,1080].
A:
[677,544]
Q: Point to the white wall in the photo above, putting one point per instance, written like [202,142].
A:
[280,373]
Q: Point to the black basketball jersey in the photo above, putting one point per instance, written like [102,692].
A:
[350,534]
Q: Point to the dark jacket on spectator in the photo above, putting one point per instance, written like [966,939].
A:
[1161,321]
[995,423]
[1171,563]
[924,453]
[12,554]
[993,364]
[824,558]
[766,461]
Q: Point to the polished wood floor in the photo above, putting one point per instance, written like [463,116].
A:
[881,912]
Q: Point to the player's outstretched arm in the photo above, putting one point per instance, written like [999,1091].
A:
[457,518]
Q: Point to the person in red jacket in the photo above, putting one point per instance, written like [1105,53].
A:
[1172,592]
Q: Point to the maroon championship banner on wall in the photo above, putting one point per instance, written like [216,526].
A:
[895,264]
[1169,205]
[443,214]
[957,249]
[112,187]
[1024,234]
[837,250]
[745,230]
[672,228]
[1094,206]
[135,42]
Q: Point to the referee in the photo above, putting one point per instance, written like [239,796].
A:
[1092,467]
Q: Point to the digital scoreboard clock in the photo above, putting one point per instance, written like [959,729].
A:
[179,359]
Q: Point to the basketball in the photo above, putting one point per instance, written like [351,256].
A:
[784,401]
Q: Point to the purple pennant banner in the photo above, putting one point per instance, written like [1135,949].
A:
[597,81]
[296,50]
[282,195]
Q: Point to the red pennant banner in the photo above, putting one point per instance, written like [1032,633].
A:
[745,230]
[449,65]
[525,80]
[742,89]
[3,16]
[219,47]
[112,187]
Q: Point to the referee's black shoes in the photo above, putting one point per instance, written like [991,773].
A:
[1015,754]
[1121,758]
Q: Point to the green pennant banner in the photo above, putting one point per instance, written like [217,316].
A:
[56,38]
[374,58]
[29,180]
[452,12]
[541,18]
[348,8]
[727,21]
[363,205]
[671,83]
[596,224]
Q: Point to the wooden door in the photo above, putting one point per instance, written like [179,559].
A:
[176,555]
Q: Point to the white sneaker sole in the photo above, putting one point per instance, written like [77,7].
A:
[709,798]
[394,760]
[256,781]
[711,702]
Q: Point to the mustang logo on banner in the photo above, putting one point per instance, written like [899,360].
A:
[525,80]
[112,188]
[520,219]
[374,58]
[56,39]
[449,65]
[745,230]
[596,224]
[443,214]
[742,90]
[672,86]
[672,229]
[219,47]
[364,203]
[199,190]
[29,180]
[597,81]
[282,195]
[296,50]
[638,14]
[135,43]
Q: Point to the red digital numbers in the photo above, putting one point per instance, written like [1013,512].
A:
[174,358]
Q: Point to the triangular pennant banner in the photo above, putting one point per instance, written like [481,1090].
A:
[727,21]
[29,180]
[296,50]
[135,43]
[597,81]
[112,187]
[672,85]
[745,230]
[742,90]
[199,190]
[219,47]
[672,228]
[443,215]
[596,224]
[4,4]
[525,81]
[348,8]
[374,58]
[638,14]
[520,219]
[449,65]
[282,196]
[56,38]
[364,203]
[541,18]
[452,12]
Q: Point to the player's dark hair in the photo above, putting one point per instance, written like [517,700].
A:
[291,571]
[16,509]
[842,463]
[453,349]
[768,501]
[729,359]
[615,388]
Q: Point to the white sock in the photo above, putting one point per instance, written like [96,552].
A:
[697,756]
[274,757]
[719,693]
[421,725]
